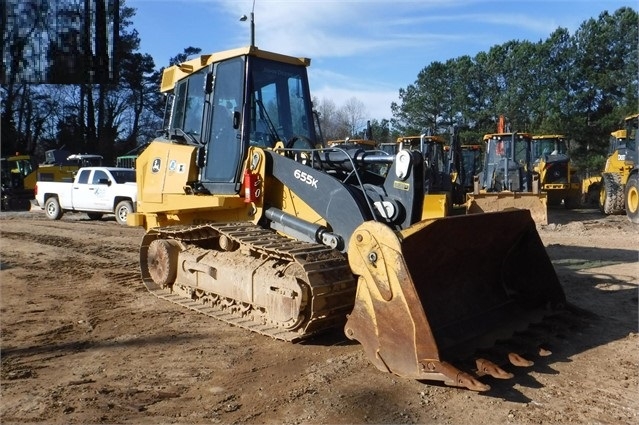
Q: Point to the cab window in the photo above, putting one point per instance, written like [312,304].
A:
[83,177]
[99,175]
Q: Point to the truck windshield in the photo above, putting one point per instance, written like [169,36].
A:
[123,176]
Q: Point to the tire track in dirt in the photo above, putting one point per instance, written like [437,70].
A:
[100,249]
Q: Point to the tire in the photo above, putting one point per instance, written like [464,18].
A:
[122,210]
[611,195]
[94,215]
[632,198]
[52,208]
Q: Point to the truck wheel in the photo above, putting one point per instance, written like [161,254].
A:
[94,216]
[632,198]
[122,210]
[52,208]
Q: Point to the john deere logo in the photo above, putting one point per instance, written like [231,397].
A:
[155,167]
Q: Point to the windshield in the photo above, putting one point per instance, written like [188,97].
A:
[280,103]
[551,146]
[123,176]
[472,163]
[504,159]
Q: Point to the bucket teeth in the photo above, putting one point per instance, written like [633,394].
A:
[458,378]
[544,352]
[467,381]
[517,360]
[486,367]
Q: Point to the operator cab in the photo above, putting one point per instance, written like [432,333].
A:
[251,99]
[506,165]
[436,176]
[549,149]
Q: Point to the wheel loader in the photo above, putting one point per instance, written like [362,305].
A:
[507,180]
[249,221]
[618,189]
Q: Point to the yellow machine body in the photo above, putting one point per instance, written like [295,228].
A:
[296,239]
[557,176]
[507,180]
[618,188]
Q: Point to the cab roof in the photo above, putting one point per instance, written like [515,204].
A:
[433,138]
[498,135]
[175,73]
[549,136]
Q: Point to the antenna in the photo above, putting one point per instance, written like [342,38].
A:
[243,18]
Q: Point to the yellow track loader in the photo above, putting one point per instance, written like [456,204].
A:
[250,222]
[507,180]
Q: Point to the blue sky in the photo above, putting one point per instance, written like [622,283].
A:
[367,49]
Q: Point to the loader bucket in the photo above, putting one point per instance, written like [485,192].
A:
[441,289]
[536,203]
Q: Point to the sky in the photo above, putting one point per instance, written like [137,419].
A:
[363,49]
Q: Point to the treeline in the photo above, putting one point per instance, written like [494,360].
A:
[580,85]
[105,119]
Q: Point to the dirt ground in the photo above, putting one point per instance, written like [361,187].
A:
[83,342]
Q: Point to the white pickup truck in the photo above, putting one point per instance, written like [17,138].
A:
[94,190]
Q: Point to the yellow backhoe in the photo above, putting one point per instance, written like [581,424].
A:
[507,180]
[557,175]
[21,172]
[249,221]
[438,187]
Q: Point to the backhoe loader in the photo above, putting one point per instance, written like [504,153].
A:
[507,180]
[248,221]
[438,187]
[557,175]
[21,172]
[464,162]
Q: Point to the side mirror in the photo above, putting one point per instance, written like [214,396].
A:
[236,119]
